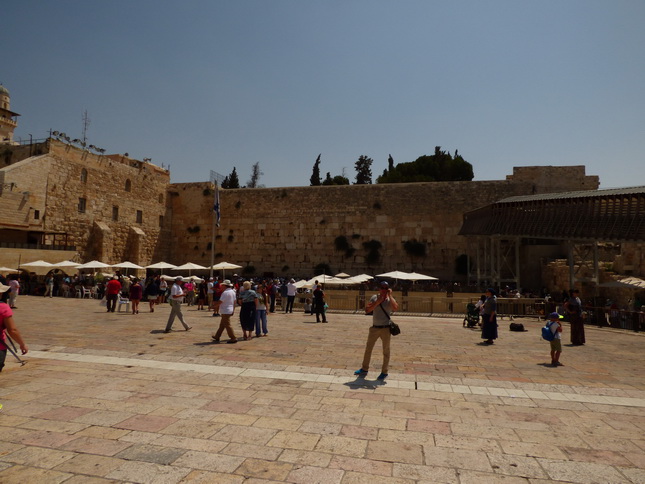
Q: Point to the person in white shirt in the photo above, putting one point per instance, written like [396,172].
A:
[291,295]
[176,295]
[226,309]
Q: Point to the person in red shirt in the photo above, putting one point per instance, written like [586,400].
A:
[112,290]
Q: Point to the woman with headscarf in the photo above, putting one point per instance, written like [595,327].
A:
[248,299]
[489,318]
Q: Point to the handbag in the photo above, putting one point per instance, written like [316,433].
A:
[394,328]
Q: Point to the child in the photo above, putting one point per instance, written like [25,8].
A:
[555,326]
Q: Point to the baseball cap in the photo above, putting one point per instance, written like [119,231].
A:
[555,316]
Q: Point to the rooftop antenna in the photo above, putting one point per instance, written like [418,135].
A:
[86,125]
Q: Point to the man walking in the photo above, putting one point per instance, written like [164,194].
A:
[381,305]
[112,291]
[176,295]
[226,309]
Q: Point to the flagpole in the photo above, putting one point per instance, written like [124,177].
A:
[215,222]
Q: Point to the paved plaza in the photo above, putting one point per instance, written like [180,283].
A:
[108,397]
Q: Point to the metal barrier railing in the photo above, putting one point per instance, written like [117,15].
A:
[615,318]
[416,305]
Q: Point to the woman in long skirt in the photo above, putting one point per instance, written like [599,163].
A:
[574,314]
[248,299]
[489,318]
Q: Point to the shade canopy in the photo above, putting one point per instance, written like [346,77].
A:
[127,265]
[625,283]
[395,275]
[93,264]
[161,265]
[7,269]
[188,266]
[67,263]
[342,274]
[225,265]
[37,263]
[415,276]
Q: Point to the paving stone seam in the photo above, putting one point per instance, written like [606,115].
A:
[331,379]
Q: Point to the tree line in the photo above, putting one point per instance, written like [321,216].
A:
[440,166]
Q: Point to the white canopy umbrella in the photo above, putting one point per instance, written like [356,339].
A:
[222,266]
[225,265]
[188,266]
[395,275]
[37,263]
[361,278]
[415,276]
[6,269]
[161,265]
[127,265]
[67,263]
[93,264]
[342,274]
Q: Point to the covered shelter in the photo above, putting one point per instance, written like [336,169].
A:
[507,238]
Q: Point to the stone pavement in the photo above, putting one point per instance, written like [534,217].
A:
[111,398]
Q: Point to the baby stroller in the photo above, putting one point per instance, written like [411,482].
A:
[472,316]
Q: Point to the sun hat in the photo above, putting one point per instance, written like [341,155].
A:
[226,282]
[4,288]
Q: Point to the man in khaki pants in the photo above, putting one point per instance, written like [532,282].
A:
[381,305]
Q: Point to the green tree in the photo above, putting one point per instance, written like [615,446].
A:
[328,180]
[232,180]
[441,166]
[363,170]
[315,175]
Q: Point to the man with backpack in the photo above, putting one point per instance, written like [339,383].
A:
[552,333]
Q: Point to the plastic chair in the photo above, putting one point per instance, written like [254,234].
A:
[123,301]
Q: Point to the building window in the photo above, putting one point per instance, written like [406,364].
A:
[82,205]
[36,214]
[139,217]
[83,175]
[128,185]
[161,198]
[115,214]
[160,220]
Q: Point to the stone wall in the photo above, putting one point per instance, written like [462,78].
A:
[292,230]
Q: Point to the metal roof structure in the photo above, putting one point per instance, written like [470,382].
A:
[607,215]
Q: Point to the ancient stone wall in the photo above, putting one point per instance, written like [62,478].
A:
[292,230]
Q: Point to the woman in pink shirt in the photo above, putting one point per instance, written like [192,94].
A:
[7,325]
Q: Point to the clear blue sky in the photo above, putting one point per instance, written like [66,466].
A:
[211,84]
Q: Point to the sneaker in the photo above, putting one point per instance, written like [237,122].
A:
[189,328]
[360,372]
[382,376]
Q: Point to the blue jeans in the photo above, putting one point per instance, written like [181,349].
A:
[261,322]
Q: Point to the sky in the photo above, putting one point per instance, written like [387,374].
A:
[201,85]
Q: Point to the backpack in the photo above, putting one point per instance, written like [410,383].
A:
[516,327]
[547,334]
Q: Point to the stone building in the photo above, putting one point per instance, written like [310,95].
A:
[98,207]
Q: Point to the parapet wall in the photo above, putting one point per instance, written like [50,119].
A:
[291,230]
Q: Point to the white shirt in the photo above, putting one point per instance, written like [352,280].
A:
[227,300]
[291,289]
[176,291]
[210,287]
